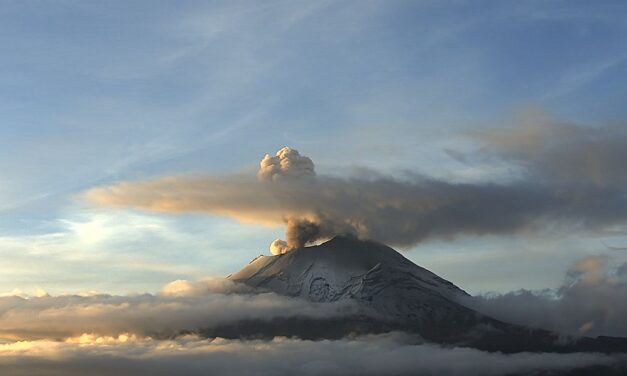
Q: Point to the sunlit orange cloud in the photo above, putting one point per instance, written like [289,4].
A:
[241,198]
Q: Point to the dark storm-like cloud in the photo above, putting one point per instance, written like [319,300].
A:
[592,301]
[571,176]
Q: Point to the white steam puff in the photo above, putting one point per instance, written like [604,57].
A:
[286,163]
[279,247]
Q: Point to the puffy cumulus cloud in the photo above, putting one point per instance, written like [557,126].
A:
[587,194]
[286,163]
[592,301]
[391,354]
[181,306]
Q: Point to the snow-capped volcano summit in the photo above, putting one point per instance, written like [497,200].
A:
[391,294]
[379,278]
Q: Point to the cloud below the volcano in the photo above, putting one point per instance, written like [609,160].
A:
[180,306]
[390,354]
[98,334]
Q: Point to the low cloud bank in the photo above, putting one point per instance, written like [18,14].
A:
[181,306]
[592,301]
[101,334]
[570,176]
[391,354]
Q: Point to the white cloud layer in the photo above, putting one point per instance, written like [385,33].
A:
[101,334]
[181,306]
[391,354]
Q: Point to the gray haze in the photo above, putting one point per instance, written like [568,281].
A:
[592,301]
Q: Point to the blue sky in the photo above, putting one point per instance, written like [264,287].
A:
[92,93]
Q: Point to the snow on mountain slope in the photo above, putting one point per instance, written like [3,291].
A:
[392,294]
[376,276]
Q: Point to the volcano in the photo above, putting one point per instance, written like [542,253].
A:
[391,294]
[376,277]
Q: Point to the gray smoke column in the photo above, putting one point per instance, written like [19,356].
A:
[289,168]
[287,163]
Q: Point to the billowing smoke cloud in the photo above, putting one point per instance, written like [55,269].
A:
[287,163]
[572,176]
[592,301]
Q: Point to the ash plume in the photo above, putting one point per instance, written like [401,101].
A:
[573,176]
